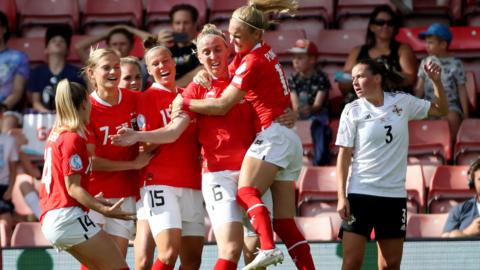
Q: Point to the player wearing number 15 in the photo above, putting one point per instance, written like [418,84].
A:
[63,198]
[374,130]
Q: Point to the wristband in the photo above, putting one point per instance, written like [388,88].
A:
[186,104]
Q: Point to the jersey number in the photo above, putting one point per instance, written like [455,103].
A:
[165,116]
[86,222]
[217,194]
[283,79]
[389,134]
[47,170]
[105,134]
[156,198]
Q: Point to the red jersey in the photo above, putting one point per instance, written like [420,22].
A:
[175,164]
[224,139]
[65,154]
[260,74]
[105,120]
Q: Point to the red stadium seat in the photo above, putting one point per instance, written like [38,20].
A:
[449,186]
[426,12]
[317,190]
[303,130]
[472,13]
[35,15]
[111,12]
[221,11]
[34,47]
[430,142]
[29,234]
[354,14]
[335,220]
[316,228]
[425,225]
[9,7]
[335,45]
[282,41]
[156,12]
[471,91]
[415,185]
[428,171]
[467,146]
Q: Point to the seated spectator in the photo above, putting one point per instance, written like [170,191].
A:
[185,25]
[44,78]
[131,77]
[437,39]
[309,97]
[8,173]
[464,219]
[381,45]
[14,71]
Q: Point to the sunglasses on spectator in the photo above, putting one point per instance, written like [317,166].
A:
[382,22]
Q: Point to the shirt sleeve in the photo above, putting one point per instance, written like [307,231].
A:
[247,74]
[74,154]
[23,68]
[346,128]
[453,219]
[417,108]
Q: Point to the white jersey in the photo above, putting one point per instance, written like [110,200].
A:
[379,137]
[8,153]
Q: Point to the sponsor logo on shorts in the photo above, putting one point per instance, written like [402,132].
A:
[76,162]
[351,220]
[258,142]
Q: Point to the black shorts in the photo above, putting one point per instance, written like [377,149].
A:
[5,206]
[388,216]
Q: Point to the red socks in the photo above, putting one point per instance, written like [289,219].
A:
[249,198]
[83,267]
[223,264]
[159,265]
[295,242]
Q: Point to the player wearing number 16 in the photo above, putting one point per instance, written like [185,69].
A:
[374,130]
[63,198]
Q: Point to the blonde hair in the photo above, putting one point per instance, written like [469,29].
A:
[93,59]
[150,45]
[210,29]
[255,13]
[130,60]
[68,99]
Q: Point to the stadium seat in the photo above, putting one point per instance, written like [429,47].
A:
[426,12]
[303,130]
[467,146]
[428,171]
[354,14]
[282,41]
[36,15]
[335,45]
[430,142]
[317,191]
[317,228]
[425,225]
[471,91]
[415,185]
[335,220]
[156,12]
[9,7]
[34,47]
[110,12]
[449,187]
[471,13]
[29,234]
[221,11]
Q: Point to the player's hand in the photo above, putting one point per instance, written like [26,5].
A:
[434,71]
[99,197]
[165,38]
[142,160]
[343,208]
[203,78]
[124,137]
[288,118]
[115,211]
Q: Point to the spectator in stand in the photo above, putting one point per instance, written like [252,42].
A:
[185,25]
[131,74]
[381,45]
[14,72]
[464,219]
[44,78]
[437,39]
[309,96]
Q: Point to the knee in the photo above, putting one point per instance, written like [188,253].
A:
[143,262]
[391,263]
[169,255]
[352,262]
[231,251]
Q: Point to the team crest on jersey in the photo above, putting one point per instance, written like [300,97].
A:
[141,121]
[76,163]
[397,110]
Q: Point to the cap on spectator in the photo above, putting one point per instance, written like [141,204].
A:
[439,30]
[63,30]
[304,46]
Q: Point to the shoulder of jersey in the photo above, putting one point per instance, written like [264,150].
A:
[352,107]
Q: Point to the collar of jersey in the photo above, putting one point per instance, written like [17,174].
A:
[160,87]
[103,102]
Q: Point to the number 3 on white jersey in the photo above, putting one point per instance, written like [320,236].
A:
[47,170]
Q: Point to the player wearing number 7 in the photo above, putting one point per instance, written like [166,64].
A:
[63,198]
[374,131]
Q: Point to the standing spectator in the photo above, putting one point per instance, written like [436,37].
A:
[373,139]
[464,219]
[185,25]
[14,72]
[437,39]
[44,78]
[380,44]
[309,97]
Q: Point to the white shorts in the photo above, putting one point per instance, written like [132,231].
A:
[247,226]
[280,146]
[219,191]
[67,227]
[166,207]
[115,226]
